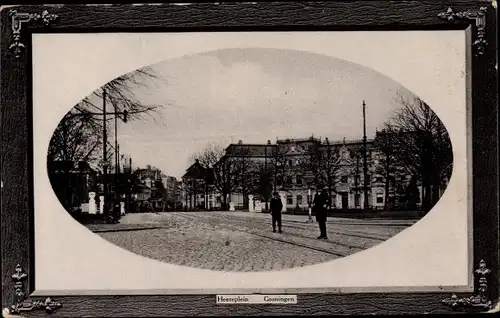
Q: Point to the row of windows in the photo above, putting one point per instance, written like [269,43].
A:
[289,199]
[296,162]
[345,179]
[299,180]
[300,199]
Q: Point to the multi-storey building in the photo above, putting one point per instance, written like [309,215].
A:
[291,165]
[296,169]
[157,185]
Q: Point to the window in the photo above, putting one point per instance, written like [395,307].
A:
[299,179]
[343,179]
[289,199]
[380,198]
[299,199]
[218,199]
[289,180]
[278,181]
[290,163]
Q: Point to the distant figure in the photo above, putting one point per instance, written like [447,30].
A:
[321,204]
[276,206]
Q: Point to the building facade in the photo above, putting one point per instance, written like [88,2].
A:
[296,169]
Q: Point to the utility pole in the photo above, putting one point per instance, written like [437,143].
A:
[117,149]
[365,163]
[267,178]
[105,161]
[356,181]
[104,156]
[129,185]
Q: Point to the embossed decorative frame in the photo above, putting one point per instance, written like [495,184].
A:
[17,239]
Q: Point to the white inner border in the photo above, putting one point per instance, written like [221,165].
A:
[432,255]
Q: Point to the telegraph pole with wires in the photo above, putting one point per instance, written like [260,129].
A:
[365,161]
[105,163]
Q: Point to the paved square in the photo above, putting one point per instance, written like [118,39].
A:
[243,241]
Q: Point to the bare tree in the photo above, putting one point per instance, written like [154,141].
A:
[247,169]
[75,139]
[210,155]
[324,164]
[277,166]
[229,172]
[330,163]
[264,186]
[424,147]
[120,94]
[354,167]
[227,176]
[193,187]
[208,158]
[78,136]
[386,165]
[284,168]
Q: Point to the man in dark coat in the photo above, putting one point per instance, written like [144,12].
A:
[276,206]
[321,205]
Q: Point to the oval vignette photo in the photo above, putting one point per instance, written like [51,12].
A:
[249,160]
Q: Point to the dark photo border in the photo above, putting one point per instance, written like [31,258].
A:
[19,23]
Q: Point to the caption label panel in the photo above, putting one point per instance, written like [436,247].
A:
[256,299]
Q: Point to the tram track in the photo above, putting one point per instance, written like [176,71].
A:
[265,224]
[331,247]
[254,232]
[352,233]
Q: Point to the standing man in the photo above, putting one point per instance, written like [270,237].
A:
[276,206]
[321,204]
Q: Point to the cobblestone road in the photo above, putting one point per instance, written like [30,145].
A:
[242,241]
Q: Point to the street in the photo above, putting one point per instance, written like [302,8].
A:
[242,241]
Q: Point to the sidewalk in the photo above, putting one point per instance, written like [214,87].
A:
[330,220]
[133,222]
[97,228]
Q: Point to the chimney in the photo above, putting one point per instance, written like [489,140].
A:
[269,142]
[240,142]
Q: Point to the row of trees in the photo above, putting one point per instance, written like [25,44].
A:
[414,142]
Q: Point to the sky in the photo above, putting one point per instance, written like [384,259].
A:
[253,95]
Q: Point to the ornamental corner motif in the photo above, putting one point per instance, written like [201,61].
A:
[18,19]
[478,299]
[24,304]
[479,16]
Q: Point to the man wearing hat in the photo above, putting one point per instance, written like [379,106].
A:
[321,205]
[276,206]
